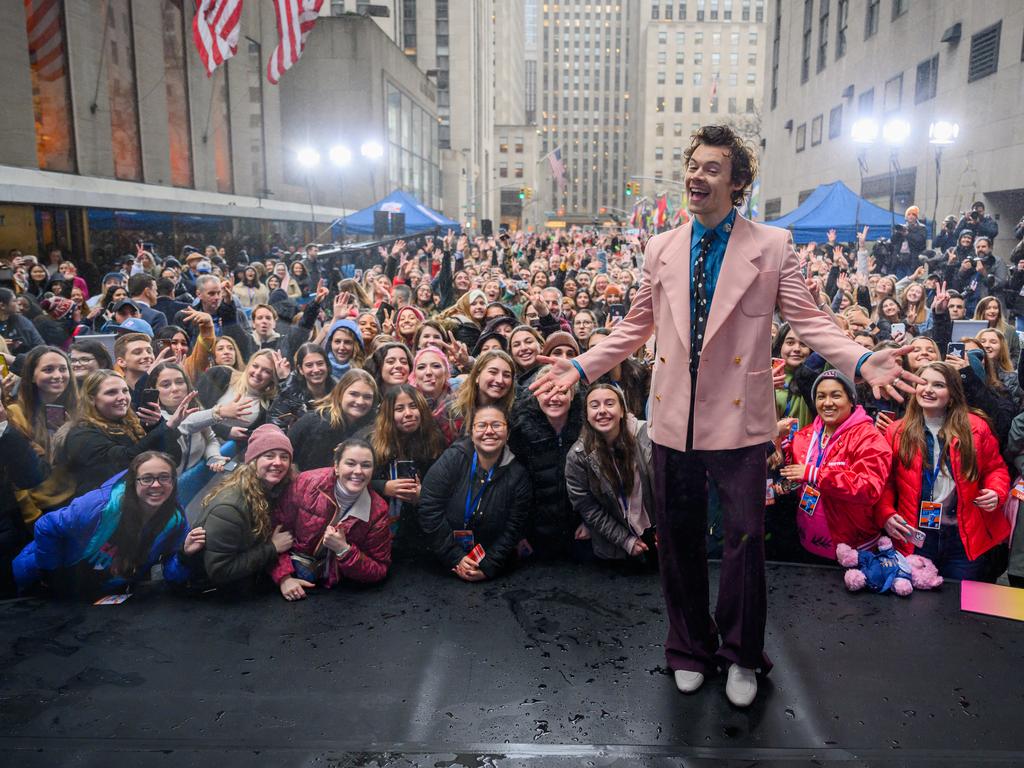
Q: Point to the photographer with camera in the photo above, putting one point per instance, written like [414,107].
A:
[908,242]
[946,237]
[978,222]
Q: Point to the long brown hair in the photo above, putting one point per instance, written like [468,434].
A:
[254,496]
[467,395]
[87,413]
[329,406]
[31,404]
[134,535]
[424,445]
[956,426]
[618,460]
[1002,360]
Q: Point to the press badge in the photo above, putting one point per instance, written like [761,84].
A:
[769,496]
[465,540]
[809,500]
[1018,489]
[930,516]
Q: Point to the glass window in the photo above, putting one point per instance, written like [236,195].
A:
[179,133]
[51,98]
[121,92]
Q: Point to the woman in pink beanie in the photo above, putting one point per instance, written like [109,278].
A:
[240,545]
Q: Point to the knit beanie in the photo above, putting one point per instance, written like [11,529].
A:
[913,210]
[560,339]
[834,375]
[409,308]
[58,307]
[475,294]
[420,354]
[349,325]
[267,437]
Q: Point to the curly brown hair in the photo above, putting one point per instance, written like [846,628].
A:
[743,157]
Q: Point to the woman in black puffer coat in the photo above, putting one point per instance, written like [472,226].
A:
[542,434]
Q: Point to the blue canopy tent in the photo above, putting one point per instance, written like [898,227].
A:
[836,206]
[418,217]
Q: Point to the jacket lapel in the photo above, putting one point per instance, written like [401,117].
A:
[739,269]
[674,276]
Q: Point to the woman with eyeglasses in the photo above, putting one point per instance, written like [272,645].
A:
[47,399]
[87,356]
[110,539]
[474,501]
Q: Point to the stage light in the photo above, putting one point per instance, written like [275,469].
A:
[943,132]
[372,150]
[865,130]
[896,132]
[340,155]
[308,157]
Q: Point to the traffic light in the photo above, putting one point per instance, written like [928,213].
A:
[635,186]
[529,193]
[522,193]
[629,190]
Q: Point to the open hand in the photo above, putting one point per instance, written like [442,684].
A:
[883,371]
[195,540]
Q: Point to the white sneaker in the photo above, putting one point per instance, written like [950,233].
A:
[740,686]
[687,681]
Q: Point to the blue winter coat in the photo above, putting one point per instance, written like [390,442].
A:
[78,536]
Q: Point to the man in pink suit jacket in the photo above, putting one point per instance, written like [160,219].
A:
[717,425]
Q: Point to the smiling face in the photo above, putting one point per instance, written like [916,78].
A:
[604,412]
[51,376]
[554,403]
[991,343]
[154,483]
[430,375]
[113,398]
[890,310]
[343,345]
[224,353]
[524,348]
[914,294]
[406,414]
[494,381]
[272,467]
[172,387]
[313,369]
[922,351]
[708,183]
[357,400]
[394,369]
[354,468]
[794,352]
[990,312]
[429,337]
[259,373]
[933,394]
[138,357]
[489,431]
[832,403]
[408,323]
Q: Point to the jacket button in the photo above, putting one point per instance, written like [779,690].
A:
[737,401]
[737,360]
[658,398]
[662,358]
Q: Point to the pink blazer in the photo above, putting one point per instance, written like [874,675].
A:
[735,400]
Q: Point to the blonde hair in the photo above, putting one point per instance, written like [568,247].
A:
[129,426]
[253,495]
[330,405]
[239,380]
[1003,356]
[465,404]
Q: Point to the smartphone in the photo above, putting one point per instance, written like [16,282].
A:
[405,470]
[56,415]
[6,275]
[358,274]
[231,466]
[898,328]
[917,537]
[890,415]
[616,311]
[522,285]
[150,398]
[955,348]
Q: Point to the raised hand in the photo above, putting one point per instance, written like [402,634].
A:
[884,372]
[183,410]
[940,303]
[195,540]
[281,365]
[562,376]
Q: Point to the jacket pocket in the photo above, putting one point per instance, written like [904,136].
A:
[759,298]
[760,405]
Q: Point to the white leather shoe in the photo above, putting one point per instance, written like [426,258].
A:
[740,686]
[687,681]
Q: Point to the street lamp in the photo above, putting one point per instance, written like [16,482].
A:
[894,133]
[941,133]
[372,151]
[340,155]
[308,158]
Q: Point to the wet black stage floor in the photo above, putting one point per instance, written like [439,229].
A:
[551,666]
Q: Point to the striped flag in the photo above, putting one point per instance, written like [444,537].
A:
[45,38]
[295,20]
[557,167]
[215,30]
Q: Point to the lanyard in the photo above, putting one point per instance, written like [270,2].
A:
[473,500]
[822,442]
[930,474]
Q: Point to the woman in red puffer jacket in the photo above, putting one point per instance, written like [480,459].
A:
[843,463]
[948,479]
[340,526]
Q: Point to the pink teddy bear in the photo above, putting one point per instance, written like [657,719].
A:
[887,569]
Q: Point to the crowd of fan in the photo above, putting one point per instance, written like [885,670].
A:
[303,423]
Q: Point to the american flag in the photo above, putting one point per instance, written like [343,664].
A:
[215,31]
[45,38]
[714,88]
[557,167]
[295,20]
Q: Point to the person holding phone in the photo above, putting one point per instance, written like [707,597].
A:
[948,479]
[841,462]
[983,388]
[406,441]
[339,526]
[474,501]
[47,399]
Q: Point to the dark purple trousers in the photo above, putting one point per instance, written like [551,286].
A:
[681,507]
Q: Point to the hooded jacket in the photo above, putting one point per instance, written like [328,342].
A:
[339,369]
[850,478]
[500,519]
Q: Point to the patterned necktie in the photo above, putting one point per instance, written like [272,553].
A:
[699,301]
